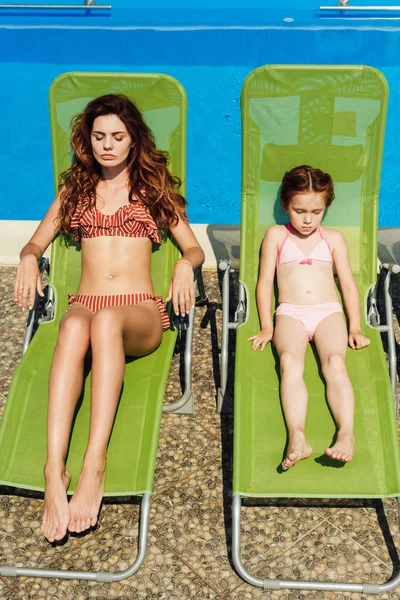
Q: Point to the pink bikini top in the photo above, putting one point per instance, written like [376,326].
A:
[130,220]
[290,253]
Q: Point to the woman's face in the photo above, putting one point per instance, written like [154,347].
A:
[111,142]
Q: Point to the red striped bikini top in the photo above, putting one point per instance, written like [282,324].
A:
[290,253]
[130,220]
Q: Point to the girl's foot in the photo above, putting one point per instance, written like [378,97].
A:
[85,504]
[297,450]
[56,510]
[343,448]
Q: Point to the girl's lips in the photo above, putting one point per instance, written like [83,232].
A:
[107,156]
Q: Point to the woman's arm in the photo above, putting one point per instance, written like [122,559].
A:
[269,255]
[28,276]
[349,289]
[181,289]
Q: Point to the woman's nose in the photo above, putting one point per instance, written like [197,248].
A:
[108,143]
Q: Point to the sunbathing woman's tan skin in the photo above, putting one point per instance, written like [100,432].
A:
[111,264]
[307,286]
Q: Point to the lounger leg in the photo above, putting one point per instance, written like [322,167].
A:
[185,404]
[278,584]
[88,575]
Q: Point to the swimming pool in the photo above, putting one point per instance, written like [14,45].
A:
[210,48]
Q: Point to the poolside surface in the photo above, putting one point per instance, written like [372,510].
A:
[189,537]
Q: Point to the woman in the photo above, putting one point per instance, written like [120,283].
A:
[114,197]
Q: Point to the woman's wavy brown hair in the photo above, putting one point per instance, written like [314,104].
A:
[305,179]
[150,181]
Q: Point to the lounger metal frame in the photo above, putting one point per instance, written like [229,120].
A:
[240,315]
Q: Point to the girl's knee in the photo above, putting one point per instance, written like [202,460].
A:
[290,365]
[334,366]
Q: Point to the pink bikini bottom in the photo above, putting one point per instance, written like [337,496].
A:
[95,303]
[310,315]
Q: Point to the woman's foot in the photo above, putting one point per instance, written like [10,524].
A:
[56,510]
[343,448]
[297,450]
[85,504]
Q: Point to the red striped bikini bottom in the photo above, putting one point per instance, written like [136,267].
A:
[95,303]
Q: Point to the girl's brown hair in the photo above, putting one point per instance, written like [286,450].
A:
[306,179]
[150,181]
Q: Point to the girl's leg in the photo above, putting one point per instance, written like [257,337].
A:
[65,384]
[331,343]
[290,340]
[115,332]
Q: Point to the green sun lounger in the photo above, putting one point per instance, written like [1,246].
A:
[332,118]
[134,440]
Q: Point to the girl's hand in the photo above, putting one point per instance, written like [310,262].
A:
[181,290]
[357,340]
[262,338]
[27,282]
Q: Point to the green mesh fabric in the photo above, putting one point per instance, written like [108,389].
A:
[332,118]
[133,444]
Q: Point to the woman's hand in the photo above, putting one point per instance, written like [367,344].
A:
[262,338]
[357,340]
[181,290]
[28,281]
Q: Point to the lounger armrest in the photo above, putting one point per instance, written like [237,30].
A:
[44,267]
[225,265]
[185,326]
[387,269]
[182,323]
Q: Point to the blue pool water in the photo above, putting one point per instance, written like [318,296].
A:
[210,51]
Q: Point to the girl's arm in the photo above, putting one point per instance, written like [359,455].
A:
[181,290]
[28,276]
[269,255]
[350,293]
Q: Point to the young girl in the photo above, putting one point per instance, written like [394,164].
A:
[303,255]
[115,196]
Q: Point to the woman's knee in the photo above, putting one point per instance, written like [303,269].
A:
[75,330]
[290,365]
[105,326]
[334,367]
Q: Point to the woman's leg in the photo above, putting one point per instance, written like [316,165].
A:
[115,332]
[65,384]
[291,340]
[331,343]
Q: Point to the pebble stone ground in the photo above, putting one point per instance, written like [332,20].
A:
[189,538]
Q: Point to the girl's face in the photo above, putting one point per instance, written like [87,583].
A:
[306,211]
[111,142]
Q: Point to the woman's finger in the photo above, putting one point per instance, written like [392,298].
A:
[39,286]
[32,295]
[188,301]
[184,303]
[192,295]
[169,293]
[175,301]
